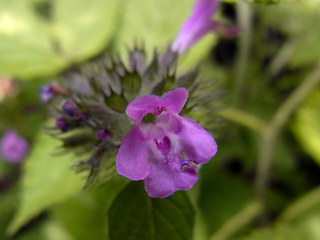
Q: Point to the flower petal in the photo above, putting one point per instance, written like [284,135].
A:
[141,106]
[169,122]
[197,25]
[46,94]
[175,99]
[132,157]
[196,143]
[205,8]
[164,179]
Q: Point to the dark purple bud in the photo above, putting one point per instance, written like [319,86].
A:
[62,124]
[46,94]
[103,135]
[70,108]
[13,147]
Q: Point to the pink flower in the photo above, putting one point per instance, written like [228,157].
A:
[199,24]
[13,148]
[163,148]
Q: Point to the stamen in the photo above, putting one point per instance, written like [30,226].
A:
[188,165]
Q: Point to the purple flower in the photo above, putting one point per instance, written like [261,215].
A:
[163,148]
[199,24]
[13,147]
[46,94]
[62,124]
[70,108]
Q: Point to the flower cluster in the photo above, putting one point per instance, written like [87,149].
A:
[89,106]
[94,106]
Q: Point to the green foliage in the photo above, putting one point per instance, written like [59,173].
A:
[84,215]
[36,42]
[131,84]
[40,38]
[306,228]
[117,103]
[150,218]
[25,45]
[32,46]
[302,47]
[82,28]
[221,190]
[46,230]
[8,204]
[26,103]
[256,1]
[155,24]
[47,180]
[306,125]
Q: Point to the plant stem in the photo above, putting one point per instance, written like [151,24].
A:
[244,19]
[282,57]
[271,133]
[300,206]
[237,222]
[243,118]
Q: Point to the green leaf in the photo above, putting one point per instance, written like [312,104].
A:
[305,125]
[156,24]
[84,215]
[299,221]
[26,49]
[45,230]
[302,47]
[135,216]
[307,50]
[221,197]
[84,27]
[153,23]
[116,102]
[8,204]
[47,180]
[308,229]
[131,84]
[198,52]
[32,45]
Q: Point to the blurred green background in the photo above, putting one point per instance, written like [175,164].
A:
[264,181]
